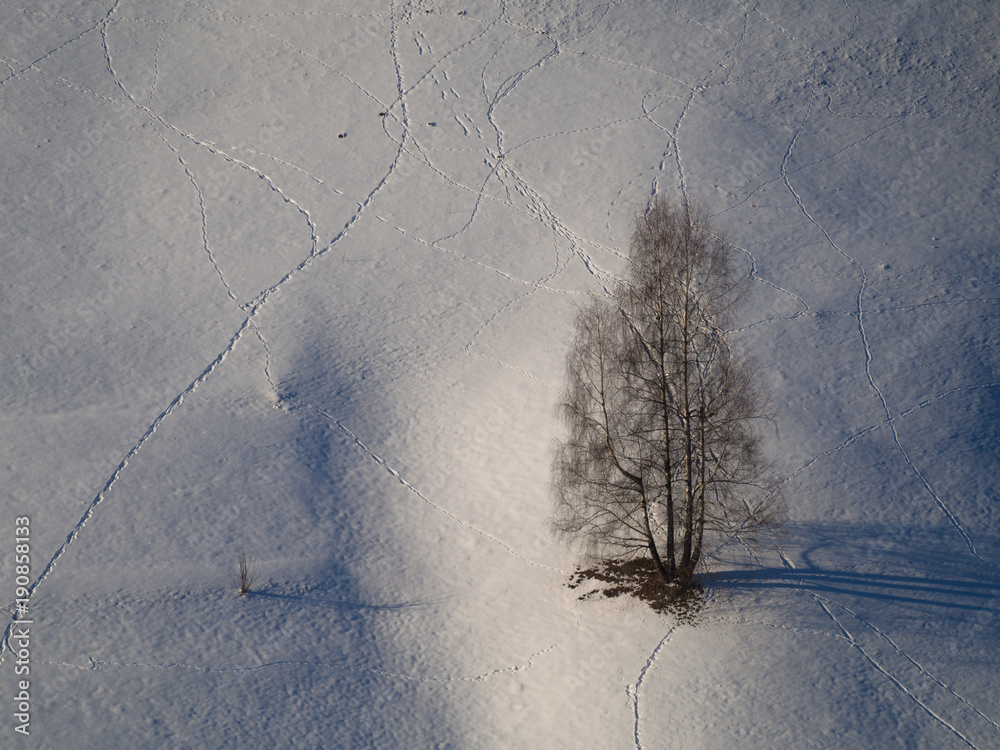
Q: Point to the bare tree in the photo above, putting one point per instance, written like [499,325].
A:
[662,451]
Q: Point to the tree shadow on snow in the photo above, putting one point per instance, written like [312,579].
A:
[949,593]
[890,564]
[337,604]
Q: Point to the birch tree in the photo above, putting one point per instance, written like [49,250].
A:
[662,453]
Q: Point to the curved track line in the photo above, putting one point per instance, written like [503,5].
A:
[632,691]
[889,421]
[927,675]
[823,602]
[860,312]
[826,604]
[252,308]
[99,498]
[154,119]
[99,23]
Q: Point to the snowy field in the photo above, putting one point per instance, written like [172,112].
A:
[298,277]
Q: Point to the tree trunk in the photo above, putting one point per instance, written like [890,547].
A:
[666,576]
[688,450]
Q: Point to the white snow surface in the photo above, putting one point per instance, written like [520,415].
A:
[299,276]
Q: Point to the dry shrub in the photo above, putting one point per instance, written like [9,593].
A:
[247,573]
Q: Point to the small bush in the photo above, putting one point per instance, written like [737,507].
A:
[247,573]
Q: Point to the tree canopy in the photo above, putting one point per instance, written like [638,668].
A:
[662,454]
